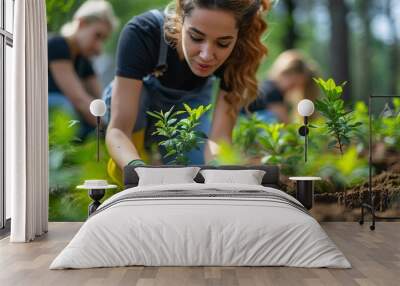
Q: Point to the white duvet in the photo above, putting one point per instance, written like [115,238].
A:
[200,231]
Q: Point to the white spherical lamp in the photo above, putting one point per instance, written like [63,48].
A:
[305,107]
[98,107]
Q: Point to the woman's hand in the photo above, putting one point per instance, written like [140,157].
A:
[124,109]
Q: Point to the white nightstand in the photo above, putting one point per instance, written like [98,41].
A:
[305,190]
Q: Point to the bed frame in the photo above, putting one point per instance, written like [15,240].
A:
[270,179]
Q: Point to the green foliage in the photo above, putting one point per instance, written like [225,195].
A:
[71,161]
[385,127]
[62,131]
[281,146]
[273,143]
[340,122]
[245,135]
[60,12]
[346,171]
[361,133]
[390,126]
[181,136]
[229,155]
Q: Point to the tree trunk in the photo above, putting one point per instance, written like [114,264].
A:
[290,38]
[364,51]
[340,65]
[393,50]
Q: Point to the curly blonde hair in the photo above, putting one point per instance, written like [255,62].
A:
[241,66]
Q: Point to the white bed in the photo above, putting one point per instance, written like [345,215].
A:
[183,230]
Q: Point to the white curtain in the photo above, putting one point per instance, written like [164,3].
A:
[26,124]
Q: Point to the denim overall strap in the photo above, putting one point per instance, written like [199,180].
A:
[160,68]
[162,56]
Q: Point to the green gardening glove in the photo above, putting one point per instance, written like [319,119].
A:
[136,162]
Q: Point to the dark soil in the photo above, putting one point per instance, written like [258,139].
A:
[385,192]
[345,205]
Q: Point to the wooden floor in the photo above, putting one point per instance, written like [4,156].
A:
[375,257]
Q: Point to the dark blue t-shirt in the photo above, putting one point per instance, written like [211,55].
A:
[268,92]
[58,49]
[138,51]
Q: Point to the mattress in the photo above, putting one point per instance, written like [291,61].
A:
[201,225]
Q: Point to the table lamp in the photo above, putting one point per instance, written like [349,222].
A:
[305,108]
[98,108]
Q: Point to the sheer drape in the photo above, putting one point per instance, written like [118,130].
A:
[26,124]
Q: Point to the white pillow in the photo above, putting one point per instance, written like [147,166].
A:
[163,176]
[249,177]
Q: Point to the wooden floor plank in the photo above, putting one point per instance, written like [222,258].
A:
[375,257]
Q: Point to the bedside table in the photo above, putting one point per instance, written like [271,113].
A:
[96,193]
[305,190]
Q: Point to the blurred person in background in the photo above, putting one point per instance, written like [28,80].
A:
[72,82]
[289,80]
[169,58]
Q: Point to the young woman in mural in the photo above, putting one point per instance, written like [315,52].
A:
[169,58]
[72,81]
[290,80]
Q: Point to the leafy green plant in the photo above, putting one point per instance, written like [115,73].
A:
[270,142]
[340,123]
[281,145]
[350,169]
[62,132]
[256,141]
[181,135]
[245,135]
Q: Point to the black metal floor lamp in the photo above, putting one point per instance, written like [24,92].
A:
[305,108]
[370,206]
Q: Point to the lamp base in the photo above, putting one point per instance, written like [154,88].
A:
[96,195]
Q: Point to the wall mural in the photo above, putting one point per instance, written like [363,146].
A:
[320,145]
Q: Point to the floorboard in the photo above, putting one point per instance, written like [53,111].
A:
[374,255]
